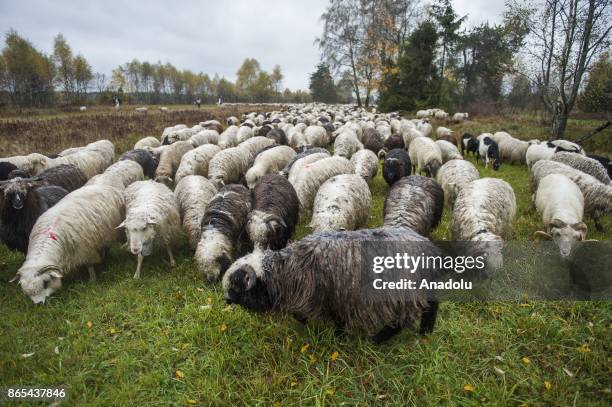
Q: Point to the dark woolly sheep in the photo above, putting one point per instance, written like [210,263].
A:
[606,162]
[372,140]
[415,202]
[264,130]
[396,165]
[20,206]
[469,143]
[320,277]
[224,237]
[66,176]
[144,158]
[278,135]
[275,212]
[313,150]
[394,142]
[18,173]
[214,126]
[5,170]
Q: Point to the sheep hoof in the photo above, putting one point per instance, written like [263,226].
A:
[428,318]
[92,273]
[385,334]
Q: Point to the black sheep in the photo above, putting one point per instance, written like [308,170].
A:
[5,170]
[20,209]
[469,143]
[606,162]
[396,165]
[278,135]
[275,212]
[263,130]
[66,176]
[18,173]
[394,141]
[143,157]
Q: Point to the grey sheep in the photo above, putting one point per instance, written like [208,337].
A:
[584,164]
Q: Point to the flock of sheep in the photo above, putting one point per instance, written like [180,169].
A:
[237,192]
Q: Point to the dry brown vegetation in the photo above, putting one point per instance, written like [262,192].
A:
[53,134]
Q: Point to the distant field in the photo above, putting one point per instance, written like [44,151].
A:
[169,339]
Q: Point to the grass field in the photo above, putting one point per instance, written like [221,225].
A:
[169,339]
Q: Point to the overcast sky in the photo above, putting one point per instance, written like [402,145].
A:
[207,36]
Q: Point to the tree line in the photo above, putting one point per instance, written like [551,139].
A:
[545,54]
[29,77]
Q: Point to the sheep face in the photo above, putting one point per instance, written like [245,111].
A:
[394,170]
[490,246]
[432,168]
[565,236]
[16,193]
[244,284]
[38,284]
[264,227]
[213,255]
[141,233]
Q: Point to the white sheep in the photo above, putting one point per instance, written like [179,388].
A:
[316,136]
[254,145]
[301,166]
[270,161]
[149,141]
[482,214]
[89,161]
[33,163]
[346,144]
[315,174]
[443,131]
[244,133]
[460,117]
[120,174]
[449,151]
[342,203]
[73,233]
[454,175]
[561,204]
[228,166]
[425,156]
[229,138]
[207,136]
[193,193]
[365,163]
[409,134]
[169,161]
[152,219]
[196,161]
[537,152]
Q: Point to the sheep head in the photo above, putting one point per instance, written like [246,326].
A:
[38,283]
[213,255]
[141,231]
[16,192]
[244,283]
[564,235]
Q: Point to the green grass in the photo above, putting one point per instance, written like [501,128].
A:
[142,332]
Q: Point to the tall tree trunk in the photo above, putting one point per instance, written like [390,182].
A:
[559,122]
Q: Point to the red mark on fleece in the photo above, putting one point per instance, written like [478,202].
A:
[52,236]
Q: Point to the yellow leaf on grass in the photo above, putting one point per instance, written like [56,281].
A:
[468,387]
[526,360]
[112,331]
[209,300]
[312,358]
[192,402]
[178,374]
[277,403]
[304,347]
[547,385]
[223,328]
[89,324]
[293,383]
[330,391]
[584,348]
[334,356]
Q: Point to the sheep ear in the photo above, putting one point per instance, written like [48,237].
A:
[55,274]
[121,225]
[540,235]
[16,278]
[555,223]
[249,279]
[580,226]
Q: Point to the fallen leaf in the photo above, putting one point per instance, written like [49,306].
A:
[526,360]
[209,301]
[56,350]
[498,357]
[228,308]
[223,328]
[567,372]
[185,346]
[112,331]
[304,348]
[192,402]
[334,356]
[312,358]
[27,355]
[61,338]
[200,289]
[468,387]
[547,385]
[381,397]
[175,349]
[293,383]
[89,324]
[178,374]
[330,391]
[277,403]
[205,307]
[498,370]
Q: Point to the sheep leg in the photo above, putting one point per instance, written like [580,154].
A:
[92,273]
[428,318]
[599,224]
[172,262]
[385,334]
[138,266]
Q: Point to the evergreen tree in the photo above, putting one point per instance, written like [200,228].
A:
[322,85]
